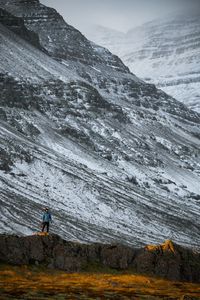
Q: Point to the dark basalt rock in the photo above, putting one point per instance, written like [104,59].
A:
[168,260]
[16,25]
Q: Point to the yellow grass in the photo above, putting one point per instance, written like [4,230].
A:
[166,246]
[32,283]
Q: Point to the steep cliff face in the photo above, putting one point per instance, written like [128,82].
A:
[115,158]
[59,39]
[16,25]
[164,52]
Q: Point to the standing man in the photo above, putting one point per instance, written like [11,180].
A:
[46,219]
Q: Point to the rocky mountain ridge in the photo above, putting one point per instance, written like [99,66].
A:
[113,157]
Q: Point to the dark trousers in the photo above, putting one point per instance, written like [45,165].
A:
[45,224]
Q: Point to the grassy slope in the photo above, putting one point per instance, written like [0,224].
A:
[36,283]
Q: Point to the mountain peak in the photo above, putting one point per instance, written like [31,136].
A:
[17,2]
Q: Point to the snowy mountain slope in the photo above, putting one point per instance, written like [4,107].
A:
[114,158]
[164,52]
[33,63]
[90,198]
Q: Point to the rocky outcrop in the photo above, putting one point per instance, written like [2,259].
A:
[16,25]
[169,260]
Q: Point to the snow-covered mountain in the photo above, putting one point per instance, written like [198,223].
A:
[115,158]
[164,52]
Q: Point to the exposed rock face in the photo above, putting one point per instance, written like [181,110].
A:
[115,159]
[59,39]
[171,261]
[17,25]
[168,261]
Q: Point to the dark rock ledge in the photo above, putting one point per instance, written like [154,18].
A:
[168,260]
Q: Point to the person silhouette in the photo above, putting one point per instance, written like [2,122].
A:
[46,219]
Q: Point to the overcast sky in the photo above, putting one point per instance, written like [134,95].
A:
[117,14]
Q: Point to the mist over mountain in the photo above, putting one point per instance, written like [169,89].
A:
[115,158]
[164,52]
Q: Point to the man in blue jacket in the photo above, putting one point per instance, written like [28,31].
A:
[46,219]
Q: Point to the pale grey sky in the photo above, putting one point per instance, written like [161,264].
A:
[117,14]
